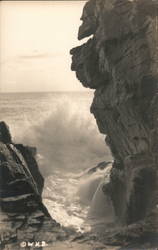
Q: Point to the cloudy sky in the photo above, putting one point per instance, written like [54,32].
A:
[35,39]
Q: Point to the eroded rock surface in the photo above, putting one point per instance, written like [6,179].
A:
[120,62]
[23,217]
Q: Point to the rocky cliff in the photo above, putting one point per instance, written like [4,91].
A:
[120,61]
[23,217]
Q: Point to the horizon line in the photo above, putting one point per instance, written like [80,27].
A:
[52,91]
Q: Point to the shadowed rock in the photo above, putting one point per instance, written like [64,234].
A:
[100,166]
[5,136]
[23,217]
[120,62]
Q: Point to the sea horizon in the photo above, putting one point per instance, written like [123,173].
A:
[56,91]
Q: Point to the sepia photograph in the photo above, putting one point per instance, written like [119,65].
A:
[79,125]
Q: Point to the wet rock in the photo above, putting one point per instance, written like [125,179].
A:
[29,154]
[100,166]
[23,215]
[5,136]
[120,62]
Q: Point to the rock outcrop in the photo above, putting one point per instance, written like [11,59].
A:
[120,61]
[23,217]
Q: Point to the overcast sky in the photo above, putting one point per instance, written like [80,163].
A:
[35,40]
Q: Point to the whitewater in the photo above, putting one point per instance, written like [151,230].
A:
[68,143]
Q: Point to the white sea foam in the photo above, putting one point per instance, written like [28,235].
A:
[101,205]
[79,202]
[67,139]
[68,142]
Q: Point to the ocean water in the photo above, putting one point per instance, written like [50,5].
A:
[68,142]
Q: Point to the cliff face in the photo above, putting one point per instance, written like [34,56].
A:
[23,217]
[120,61]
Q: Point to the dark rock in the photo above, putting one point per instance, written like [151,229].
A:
[5,136]
[100,166]
[28,154]
[23,215]
[121,62]
[89,19]
[87,73]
